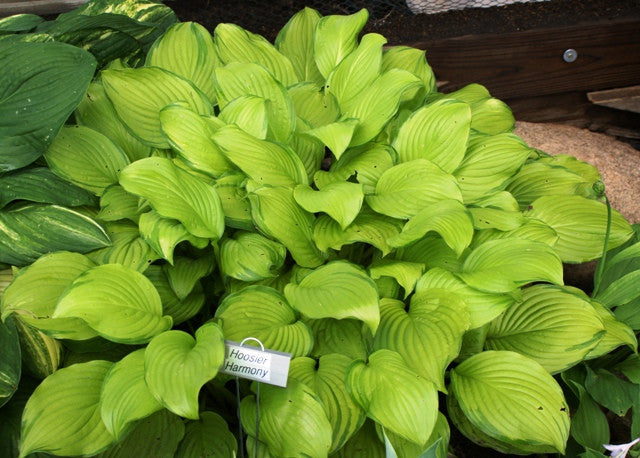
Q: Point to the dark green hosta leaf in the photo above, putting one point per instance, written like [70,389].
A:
[342,201]
[32,230]
[264,313]
[621,262]
[117,204]
[407,188]
[10,362]
[295,40]
[139,94]
[550,325]
[177,365]
[412,60]
[125,398]
[437,132]
[394,396]
[348,337]
[127,248]
[117,302]
[208,436]
[19,23]
[249,256]
[589,424]
[621,291]
[339,290]
[292,420]
[512,399]
[173,193]
[39,184]
[327,380]
[365,443]
[503,265]
[50,419]
[610,390]
[428,336]
[580,224]
[404,272]
[38,98]
[436,446]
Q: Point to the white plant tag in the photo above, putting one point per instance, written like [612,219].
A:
[265,366]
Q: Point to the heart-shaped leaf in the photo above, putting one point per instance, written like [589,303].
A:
[208,436]
[248,256]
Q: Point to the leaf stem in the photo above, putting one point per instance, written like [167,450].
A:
[597,277]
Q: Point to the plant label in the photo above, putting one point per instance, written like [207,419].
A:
[266,366]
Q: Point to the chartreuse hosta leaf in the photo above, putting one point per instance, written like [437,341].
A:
[488,163]
[449,218]
[616,333]
[407,188]
[97,112]
[348,337]
[492,116]
[412,60]
[580,224]
[127,248]
[233,195]
[235,44]
[248,256]
[339,290]
[139,94]
[404,272]
[242,79]
[432,251]
[176,366]
[314,106]
[249,113]
[327,380]
[50,419]
[187,50]
[34,293]
[310,150]
[117,204]
[117,302]
[438,132]
[295,40]
[550,325]
[173,193]
[178,309]
[342,201]
[276,213]
[394,396]
[37,99]
[189,134]
[335,37]
[264,313]
[125,397]
[208,436]
[530,229]
[335,136]
[512,398]
[481,306]
[293,421]
[429,335]
[185,273]
[436,446]
[10,364]
[503,265]
[263,161]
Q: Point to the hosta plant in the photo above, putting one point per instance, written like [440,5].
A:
[318,194]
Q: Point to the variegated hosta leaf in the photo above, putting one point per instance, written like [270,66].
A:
[86,158]
[481,306]
[189,134]
[186,49]
[295,40]
[357,70]
[376,104]
[164,234]
[432,251]
[263,161]
[394,396]
[513,399]
[276,213]
[412,60]
[233,195]
[117,302]
[178,309]
[335,37]
[314,106]
[176,366]
[249,113]
[336,136]
[127,248]
[125,397]
[173,193]
[342,201]
[550,325]
[449,218]
[235,44]
[139,94]
[117,204]
[616,334]
[185,273]
[208,436]
[339,290]
[368,227]
[488,163]
[327,380]
[292,420]
[437,132]
[404,272]
[264,313]
[241,79]
[428,336]
[405,189]
[503,265]
[581,225]
[50,419]
[248,256]
[35,291]
[348,337]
